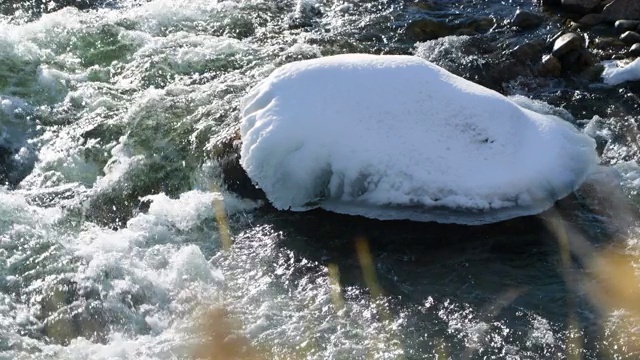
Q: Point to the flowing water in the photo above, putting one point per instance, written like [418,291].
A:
[112,236]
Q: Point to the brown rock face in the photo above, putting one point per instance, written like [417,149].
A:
[622,9]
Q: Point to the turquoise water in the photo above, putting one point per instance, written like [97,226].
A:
[109,246]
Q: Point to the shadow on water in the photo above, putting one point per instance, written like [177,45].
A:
[470,265]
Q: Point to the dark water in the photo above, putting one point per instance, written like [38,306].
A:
[111,119]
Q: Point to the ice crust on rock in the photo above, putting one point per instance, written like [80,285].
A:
[397,137]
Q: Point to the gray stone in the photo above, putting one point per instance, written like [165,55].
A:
[550,66]
[526,19]
[580,6]
[630,37]
[622,9]
[591,19]
[567,43]
[626,25]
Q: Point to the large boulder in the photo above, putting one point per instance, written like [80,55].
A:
[622,9]
[580,6]
[397,137]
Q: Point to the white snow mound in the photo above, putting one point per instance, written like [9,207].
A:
[614,75]
[397,137]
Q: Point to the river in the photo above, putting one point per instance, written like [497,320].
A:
[119,239]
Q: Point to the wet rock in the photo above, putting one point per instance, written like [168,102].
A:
[526,19]
[604,43]
[635,49]
[503,71]
[591,20]
[235,179]
[550,66]
[622,9]
[427,29]
[529,51]
[577,61]
[626,25]
[479,25]
[630,37]
[593,73]
[567,43]
[580,6]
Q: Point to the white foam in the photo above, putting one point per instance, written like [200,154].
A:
[615,73]
[396,137]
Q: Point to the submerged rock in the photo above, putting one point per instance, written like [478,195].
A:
[396,137]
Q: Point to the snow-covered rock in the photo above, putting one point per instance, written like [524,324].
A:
[614,75]
[397,137]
